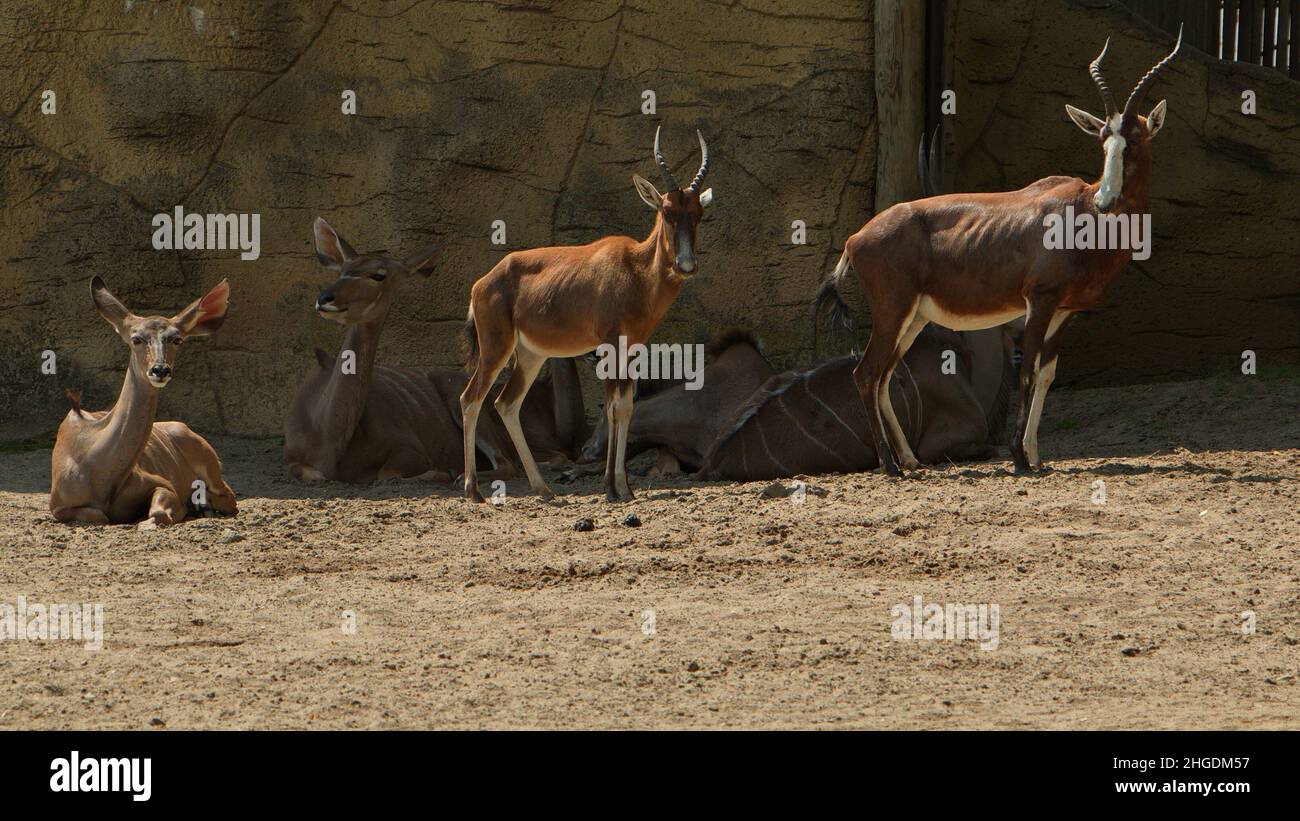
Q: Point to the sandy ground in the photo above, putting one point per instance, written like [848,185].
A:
[767,612]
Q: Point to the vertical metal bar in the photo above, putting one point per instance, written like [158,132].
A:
[1293,41]
[1269,39]
[1230,11]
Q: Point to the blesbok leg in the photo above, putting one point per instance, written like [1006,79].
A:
[902,450]
[527,365]
[618,416]
[628,391]
[1042,383]
[1041,315]
[492,358]
[888,325]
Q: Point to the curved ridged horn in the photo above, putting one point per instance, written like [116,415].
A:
[663,164]
[927,165]
[704,163]
[1094,68]
[1145,83]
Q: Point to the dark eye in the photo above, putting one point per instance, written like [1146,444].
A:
[137,340]
[379,276]
[176,340]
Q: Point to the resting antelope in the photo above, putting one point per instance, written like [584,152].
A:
[567,301]
[119,465]
[804,422]
[970,261]
[368,422]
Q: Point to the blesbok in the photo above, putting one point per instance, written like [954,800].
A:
[805,422]
[353,420]
[120,466]
[683,423]
[968,261]
[569,300]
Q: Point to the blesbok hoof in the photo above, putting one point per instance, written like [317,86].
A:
[471,493]
[547,494]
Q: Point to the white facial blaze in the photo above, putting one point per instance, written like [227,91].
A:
[1112,176]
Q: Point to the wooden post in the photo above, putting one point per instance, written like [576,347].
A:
[900,98]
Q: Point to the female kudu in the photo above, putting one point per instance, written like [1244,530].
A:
[970,261]
[119,465]
[567,301]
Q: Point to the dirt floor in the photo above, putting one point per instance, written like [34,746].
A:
[767,611]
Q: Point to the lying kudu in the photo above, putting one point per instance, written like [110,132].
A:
[120,466]
[355,421]
[683,423]
[809,422]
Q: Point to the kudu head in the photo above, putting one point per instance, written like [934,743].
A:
[1125,135]
[154,340]
[364,288]
[680,208]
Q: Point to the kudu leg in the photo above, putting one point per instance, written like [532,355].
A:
[165,508]
[511,398]
[80,514]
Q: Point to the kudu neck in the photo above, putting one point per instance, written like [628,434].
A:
[128,423]
[343,401]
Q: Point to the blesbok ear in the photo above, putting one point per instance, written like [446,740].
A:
[421,261]
[706,198]
[331,249]
[1090,124]
[109,307]
[1156,119]
[649,194]
[205,314]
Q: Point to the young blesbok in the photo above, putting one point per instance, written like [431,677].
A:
[355,421]
[806,422]
[119,465]
[968,261]
[567,301]
[683,423]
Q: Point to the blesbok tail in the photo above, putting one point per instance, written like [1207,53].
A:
[324,359]
[828,301]
[74,399]
[469,342]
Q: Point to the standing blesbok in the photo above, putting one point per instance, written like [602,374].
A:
[355,421]
[805,422]
[683,423]
[119,465]
[567,301]
[969,261]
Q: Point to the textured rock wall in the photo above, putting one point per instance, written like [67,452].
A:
[1224,274]
[468,112]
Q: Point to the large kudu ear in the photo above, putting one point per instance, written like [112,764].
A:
[1090,124]
[205,315]
[421,261]
[649,194]
[1156,119]
[331,249]
[109,307]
